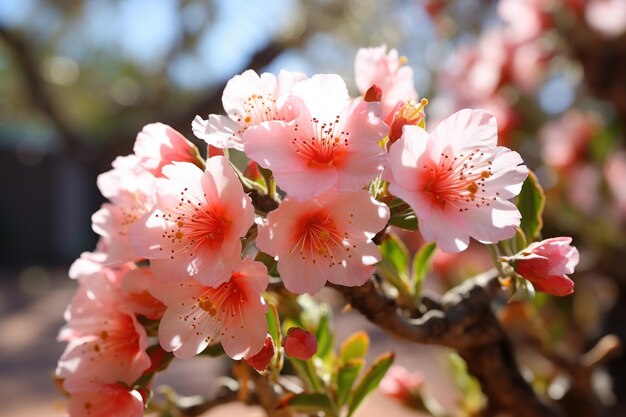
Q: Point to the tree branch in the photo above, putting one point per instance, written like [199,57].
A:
[467,324]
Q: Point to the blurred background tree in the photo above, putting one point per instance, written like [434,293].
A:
[81,77]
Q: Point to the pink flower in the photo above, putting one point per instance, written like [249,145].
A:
[564,140]
[525,19]
[400,384]
[546,264]
[105,400]
[608,17]
[457,180]
[528,65]
[158,145]
[130,189]
[324,239]
[130,283]
[300,344]
[475,71]
[134,287]
[376,66]
[233,312]
[582,186]
[248,100]
[106,342]
[331,145]
[615,173]
[195,227]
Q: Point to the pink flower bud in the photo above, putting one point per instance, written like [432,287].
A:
[374,93]
[252,171]
[400,384]
[300,344]
[261,360]
[546,264]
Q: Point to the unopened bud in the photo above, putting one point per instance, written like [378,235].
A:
[214,151]
[300,344]
[252,171]
[374,93]
[547,263]
[261,360]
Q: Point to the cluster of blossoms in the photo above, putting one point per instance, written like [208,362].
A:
[182,242]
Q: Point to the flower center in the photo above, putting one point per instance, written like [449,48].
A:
[459,180]
[196,223]
[224,306]
[258,108]
[319,239]
[326,144]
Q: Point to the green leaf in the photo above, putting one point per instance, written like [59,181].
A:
[324,334]
[266,174]
[471,393]
[402,215]
[603,143]
[406,221]
[355,347]
[308,373]
[346,375]
[394,267]
[519,241]
[269,262]
[273,325]
[421,265]
[530,203]
[308,403]
[370,380]
[395,254]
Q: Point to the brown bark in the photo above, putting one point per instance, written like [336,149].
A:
[466,323]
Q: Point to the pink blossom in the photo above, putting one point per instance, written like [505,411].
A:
[528,65]
[195,227]
[324,239]
[376,66]
[564,140]
[583,184]
[608,17]
[106,343]
[300,344]
[248,100]
[134,287]
[476,70]
[615,175]
[457,180]
[130,189]
[158,145]
[233,312]
[525,18]
[331,145]
[105,400]
[546,264]
[130,283]
[401,384]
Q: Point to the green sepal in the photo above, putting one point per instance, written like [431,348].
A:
[530,202]
[421,266]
